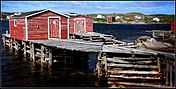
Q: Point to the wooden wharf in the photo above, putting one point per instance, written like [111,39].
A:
[128,67]
[121,65]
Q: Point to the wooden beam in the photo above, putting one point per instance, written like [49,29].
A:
[132,59]
[139,84]
[132,72]
[132,66]
[120,61]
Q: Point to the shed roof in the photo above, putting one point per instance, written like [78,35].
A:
[31,13]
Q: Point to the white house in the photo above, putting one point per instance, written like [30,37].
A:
[100,16]
[156,19]
[118,17]
[72,14]
[137,17]
[17,13]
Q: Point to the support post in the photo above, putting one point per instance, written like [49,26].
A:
[158,62]
[105,61]
[24,48]
[11,44]
[175,73]
[98,68]
[42,55]
[167,71]
[32,53]
[4,41]
[50,58]
[171,75]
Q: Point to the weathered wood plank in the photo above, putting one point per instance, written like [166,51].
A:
[131,58]
[128,62]
[139,84]
[132,72]
[132,66]
[135,79]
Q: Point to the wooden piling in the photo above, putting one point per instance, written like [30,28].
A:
[4,41]
[105,62]
[175,73]
[24,48]
[11,44]
[98,70]
[50,58]
[167,72]
[158,62]
[171,75]
[42,55]
[32,53]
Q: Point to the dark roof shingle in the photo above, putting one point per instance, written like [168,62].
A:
[23,14]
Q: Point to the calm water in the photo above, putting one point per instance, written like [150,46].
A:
[18,71]
[129,32]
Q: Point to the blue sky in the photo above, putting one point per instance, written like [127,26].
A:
[87,7]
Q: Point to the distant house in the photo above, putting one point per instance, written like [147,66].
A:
[72,14]
[118,17]
[173,26]
[156,19]
[132,18]
[39,25]
[137,17]
[110,19]
[17,13]
[100,16]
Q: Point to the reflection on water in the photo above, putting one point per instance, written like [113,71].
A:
[18,71]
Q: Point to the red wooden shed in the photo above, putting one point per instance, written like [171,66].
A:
[80,23]
[173,28]
[39,25]
[110,19]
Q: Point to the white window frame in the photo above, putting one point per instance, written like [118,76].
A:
[15,24]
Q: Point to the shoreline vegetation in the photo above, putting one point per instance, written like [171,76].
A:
[126,23]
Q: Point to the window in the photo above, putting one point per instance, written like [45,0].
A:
[15,23]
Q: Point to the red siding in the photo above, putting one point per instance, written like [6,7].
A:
[89,25]
[38,26]
[71,25]
[17,32]
[173,26]
[64,27]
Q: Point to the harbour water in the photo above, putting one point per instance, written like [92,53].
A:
[20,72]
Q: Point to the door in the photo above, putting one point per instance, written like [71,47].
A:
[79,25]
[54,27]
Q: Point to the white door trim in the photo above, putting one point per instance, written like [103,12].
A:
[80,19]
[59,30]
